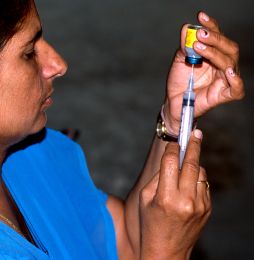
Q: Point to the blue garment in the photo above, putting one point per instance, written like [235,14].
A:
[14,246]
[65,213]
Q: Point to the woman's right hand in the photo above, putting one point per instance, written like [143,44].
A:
[174,207]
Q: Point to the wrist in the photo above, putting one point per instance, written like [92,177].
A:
[172,124]
[162,130]
[162,254]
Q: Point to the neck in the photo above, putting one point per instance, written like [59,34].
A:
[2,156]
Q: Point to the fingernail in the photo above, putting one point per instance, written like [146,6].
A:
[198,134]
[201,46]
[205,17]
[231,72]
[204,33]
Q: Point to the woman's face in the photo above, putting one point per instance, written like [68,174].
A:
[28,66]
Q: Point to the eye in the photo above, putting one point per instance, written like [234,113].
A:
[30,54]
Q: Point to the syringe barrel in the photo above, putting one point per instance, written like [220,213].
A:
[186,123]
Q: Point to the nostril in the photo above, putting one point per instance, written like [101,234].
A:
[62,67]
[59,75]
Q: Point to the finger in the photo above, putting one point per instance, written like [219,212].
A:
[190,168]
[236,89]
[220,42]
[183,36]
[217,48]
[215,56]
[203,202]
[202,188]
[169,171]
[205,191]
[221,91]
[208,22]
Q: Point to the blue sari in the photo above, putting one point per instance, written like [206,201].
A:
[66,214]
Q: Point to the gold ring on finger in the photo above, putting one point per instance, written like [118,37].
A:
[204,182]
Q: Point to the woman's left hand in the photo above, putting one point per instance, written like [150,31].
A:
[174,205]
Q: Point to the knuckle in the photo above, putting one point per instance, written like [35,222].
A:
[209,211]
[171,147]
[196,141]
[162,203]
[191,165]
[211,52]
[235,49]
[241,93]
[169,158]
[187,208]
[216,24]
[209,206]
[144,195]
[238,91]
[232,62]
[201,210]
[203,172]
[217,37]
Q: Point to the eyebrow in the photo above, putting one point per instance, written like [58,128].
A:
[36,37]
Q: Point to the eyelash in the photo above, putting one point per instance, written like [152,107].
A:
[30,55]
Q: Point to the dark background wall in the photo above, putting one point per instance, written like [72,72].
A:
[119,53]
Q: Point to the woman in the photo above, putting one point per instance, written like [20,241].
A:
[49,206]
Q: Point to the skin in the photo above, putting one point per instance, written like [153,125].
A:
[217,82]
[158,204]
[27,72]
[28,67]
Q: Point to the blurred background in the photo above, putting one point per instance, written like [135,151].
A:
[119,53]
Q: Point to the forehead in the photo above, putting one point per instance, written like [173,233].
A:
[28,29]
[30,26]
[32,23]
[22,39]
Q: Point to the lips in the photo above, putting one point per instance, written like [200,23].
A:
[48,101]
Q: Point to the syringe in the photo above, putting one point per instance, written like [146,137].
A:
[187,116]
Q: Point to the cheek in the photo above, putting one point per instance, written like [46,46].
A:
[20,108]
[22,99]
[16,124]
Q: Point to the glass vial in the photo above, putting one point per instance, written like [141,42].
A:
[191,56]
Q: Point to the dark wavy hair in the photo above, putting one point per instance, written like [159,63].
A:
[12,15]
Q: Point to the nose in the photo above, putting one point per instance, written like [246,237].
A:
[52,64]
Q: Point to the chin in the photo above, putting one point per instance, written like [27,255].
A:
[18,134]
[40,124]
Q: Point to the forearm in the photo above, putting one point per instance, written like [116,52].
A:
[151,167]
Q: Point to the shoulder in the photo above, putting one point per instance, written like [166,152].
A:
[55,137]
[47,146]
[45,140]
